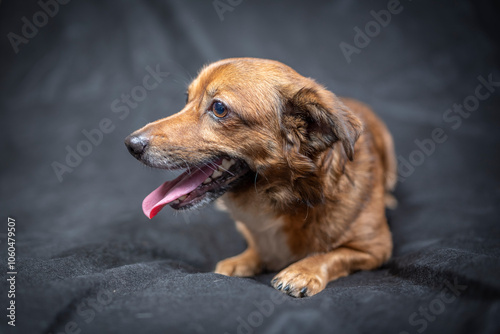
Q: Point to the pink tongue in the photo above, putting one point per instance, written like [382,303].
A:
[172,190]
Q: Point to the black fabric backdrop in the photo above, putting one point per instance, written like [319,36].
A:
[89,261]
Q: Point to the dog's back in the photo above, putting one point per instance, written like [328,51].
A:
[383,142]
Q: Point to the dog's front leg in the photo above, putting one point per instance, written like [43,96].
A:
[245,264]
[310,275]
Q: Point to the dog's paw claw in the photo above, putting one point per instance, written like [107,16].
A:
[297,283]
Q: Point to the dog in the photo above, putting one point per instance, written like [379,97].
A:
[306,175]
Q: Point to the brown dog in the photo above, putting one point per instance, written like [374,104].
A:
[305,175]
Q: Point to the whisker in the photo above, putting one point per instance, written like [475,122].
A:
[187,165]
[266,179]
[220,166]
[255,182]
[199,168]
[212,165]
[185,215]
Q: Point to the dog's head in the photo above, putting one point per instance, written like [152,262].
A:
[246,123]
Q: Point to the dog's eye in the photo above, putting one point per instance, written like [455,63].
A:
[219,109]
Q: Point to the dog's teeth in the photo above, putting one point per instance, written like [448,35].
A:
[216,174]
[208,180]
[176,201]
[226,163]
[182,198]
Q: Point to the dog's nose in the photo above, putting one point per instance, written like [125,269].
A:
[136,144]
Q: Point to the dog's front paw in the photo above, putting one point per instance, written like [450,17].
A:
[243,265]
[299,282]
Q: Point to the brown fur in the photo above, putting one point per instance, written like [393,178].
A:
[322,167]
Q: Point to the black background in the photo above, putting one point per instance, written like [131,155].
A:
[88,260]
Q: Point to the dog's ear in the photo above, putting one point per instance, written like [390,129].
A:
[321,119]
